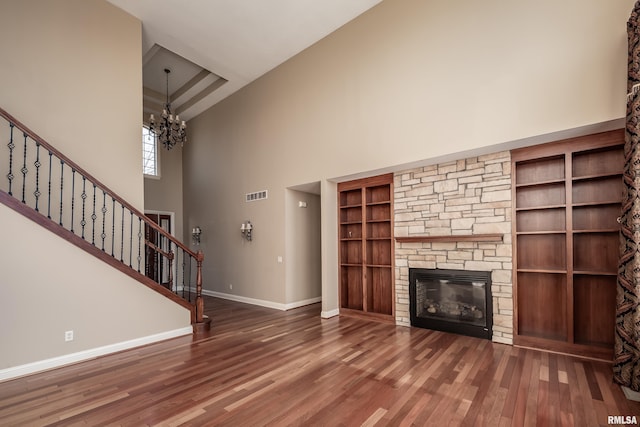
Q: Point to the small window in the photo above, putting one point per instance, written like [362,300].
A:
[149,152]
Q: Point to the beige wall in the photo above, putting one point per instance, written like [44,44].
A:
[164,193]
[43,295]
[302,269]
[71,71]
[410,81]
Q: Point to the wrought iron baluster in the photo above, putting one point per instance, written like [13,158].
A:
[186,275]
[49,194]
[93,218]
[156,258]
[83,223]
[179,252]
[37,164]
[122,235]
[139,243]
[11,146]
[61,187]
[174,267]
[183,287]
[193,277]
[113,224]
[190,278]
[148,260]
[24,169]
[185,257]
[131,239]
[104,217]
[73,195]
[170,273]
[171,259]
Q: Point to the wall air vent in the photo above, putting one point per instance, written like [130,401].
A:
[258,195]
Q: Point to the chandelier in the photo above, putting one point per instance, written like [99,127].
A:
[170,131]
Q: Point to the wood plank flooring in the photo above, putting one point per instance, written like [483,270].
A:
[265,367]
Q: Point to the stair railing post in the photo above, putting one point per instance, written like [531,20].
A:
[199,300]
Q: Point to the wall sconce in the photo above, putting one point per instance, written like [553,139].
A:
[245,229]
[196,232]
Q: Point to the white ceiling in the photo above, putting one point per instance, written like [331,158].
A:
[215,47]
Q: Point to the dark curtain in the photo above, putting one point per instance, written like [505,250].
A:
[626,365]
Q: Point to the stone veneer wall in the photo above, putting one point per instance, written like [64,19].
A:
[470,196]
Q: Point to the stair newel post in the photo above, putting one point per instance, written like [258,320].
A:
[199,300]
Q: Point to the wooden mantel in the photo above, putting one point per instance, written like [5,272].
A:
[451,238]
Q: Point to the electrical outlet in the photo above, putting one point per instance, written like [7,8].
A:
[230,286]
[68,336]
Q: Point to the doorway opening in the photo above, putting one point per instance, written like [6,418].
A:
[303,261]
[157,267]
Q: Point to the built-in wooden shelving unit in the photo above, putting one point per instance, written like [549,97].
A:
[567,199]
[366,247]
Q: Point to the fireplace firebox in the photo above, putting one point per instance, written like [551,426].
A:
[457,301]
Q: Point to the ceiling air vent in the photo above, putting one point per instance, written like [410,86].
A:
[258,195]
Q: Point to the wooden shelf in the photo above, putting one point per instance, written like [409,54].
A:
[451,238]
[537,183]
[540,208]
[595,273]
[539,270]
[594,177]
[599,203]
[524,233]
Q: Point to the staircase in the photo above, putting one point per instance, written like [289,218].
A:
[42,184]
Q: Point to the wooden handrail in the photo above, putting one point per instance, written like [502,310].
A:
[156,248]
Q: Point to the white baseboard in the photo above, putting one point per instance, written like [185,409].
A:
[330,313]
[302,303]
[630,394]
[260,302]
[56,362]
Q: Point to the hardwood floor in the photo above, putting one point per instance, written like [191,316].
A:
[265,367]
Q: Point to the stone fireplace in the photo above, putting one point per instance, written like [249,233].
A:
[457,216]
